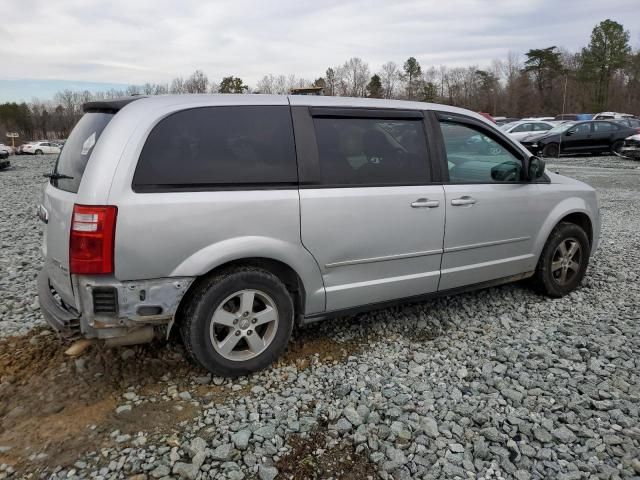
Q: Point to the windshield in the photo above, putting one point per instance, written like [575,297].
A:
[77,150]
[563,127]
[507,126]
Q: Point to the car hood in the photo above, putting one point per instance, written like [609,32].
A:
[561,179]
[635,138]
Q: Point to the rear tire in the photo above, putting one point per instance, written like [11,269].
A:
[563,261]
[616,147]
[552,150]
[238,321]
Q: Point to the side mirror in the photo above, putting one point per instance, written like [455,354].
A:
[570,132]
[535,169]
[506,172]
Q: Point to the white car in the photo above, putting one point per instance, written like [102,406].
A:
[41,148]
[538,119]
[524,128]
[611,116]
[6,148]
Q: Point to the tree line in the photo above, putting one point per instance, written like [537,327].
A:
[604,75]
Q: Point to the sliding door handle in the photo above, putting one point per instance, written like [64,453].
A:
[425,203]
[466,200]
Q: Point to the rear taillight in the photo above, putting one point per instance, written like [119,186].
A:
[92,239]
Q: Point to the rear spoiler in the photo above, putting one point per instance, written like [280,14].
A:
[110,105]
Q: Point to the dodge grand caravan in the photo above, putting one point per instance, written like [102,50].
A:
[232,217]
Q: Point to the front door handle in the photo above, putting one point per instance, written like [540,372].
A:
[425,203]
[466,200]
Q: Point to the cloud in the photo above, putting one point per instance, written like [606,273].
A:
[137,41]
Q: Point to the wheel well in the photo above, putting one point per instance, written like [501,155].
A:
[284,272]
[583,221]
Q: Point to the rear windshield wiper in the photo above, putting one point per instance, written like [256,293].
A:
[57,176]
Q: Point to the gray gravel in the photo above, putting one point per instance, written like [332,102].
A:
[20,241]
[500,383]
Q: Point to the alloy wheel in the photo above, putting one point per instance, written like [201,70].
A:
[566,261]
[244,325]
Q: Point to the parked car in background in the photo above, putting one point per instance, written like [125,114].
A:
[20,148]
[40,148]
[574,116]
[7,148]
[504,120]
[4,161]
[285,177]
[487,116]
[539,119]
[631,147]
[4,151]
[611,116]
[521,129]
[629,122]
[592,136]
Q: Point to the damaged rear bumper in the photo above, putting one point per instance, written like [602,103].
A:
[63,319]
[107,309]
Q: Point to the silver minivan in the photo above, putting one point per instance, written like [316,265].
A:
[233,217]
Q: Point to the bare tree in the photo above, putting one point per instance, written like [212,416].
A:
[267,84]
[133,90]
[197,83]
[390,77]
[353,77]
[177,86]
[331,83]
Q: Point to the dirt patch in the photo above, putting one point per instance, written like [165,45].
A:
[308,460]
[152,418]
[61,407]
[309,344]
[220,394]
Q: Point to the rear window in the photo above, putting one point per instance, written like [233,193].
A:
[77,150]
[371,151]
[219,147]
[604,127]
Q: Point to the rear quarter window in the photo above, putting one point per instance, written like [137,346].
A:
[77,150]
[371,151]
[219,147]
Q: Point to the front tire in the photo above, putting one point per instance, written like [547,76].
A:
[552,150]
[38,152]
[238,321]
[563,261]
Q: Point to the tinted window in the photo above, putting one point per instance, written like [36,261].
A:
[371,151]
[219,146]
[475,157]
[77,150]
[541,127]
[525,127]
[580,129]
[602,127]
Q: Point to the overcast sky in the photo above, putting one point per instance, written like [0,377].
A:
[138,41]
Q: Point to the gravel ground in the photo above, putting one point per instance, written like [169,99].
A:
[20,241]
[500,383]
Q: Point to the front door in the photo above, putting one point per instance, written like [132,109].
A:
[492,215]
[371,217]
